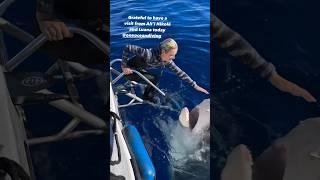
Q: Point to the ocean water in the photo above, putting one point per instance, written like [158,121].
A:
[83,158]
[284,32]
[176,154]
[247,108]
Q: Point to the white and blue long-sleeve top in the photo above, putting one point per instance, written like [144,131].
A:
[240,48]
[151,58]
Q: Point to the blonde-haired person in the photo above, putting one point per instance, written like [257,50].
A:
[168,44]
[144,59]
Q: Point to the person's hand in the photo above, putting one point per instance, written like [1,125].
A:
[201,89]
[55,30]
[289,87]
[127,70]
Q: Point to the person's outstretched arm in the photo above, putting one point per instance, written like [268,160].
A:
[241,49]
[54,28]
[184,76]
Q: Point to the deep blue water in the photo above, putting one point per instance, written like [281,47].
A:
[83,158]
[284,32]
[247,108]
[190,28]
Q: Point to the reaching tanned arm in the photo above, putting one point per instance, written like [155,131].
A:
[241,49]
[201,89]
[184,76]
[289,87]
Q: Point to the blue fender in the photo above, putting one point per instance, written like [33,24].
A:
[139,153]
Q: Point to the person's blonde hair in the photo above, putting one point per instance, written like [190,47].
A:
[168,44]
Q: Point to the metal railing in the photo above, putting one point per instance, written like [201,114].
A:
[4,6]
[36,43]
[71,108]
[134,71]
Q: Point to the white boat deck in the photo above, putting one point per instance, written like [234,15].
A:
[122,165]
[12,132]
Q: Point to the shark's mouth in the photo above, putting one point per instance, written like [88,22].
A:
[189,119]
[199,114]
[193,117]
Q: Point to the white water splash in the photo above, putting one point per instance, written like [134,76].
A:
[184,147]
